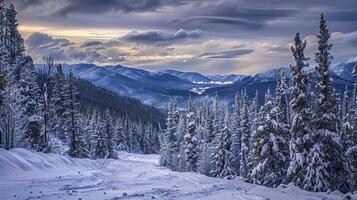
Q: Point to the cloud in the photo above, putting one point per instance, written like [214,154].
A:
[236,53]
[91,44]
[159,37]
[98,7]
[63,50]
[24,4]
[40,40]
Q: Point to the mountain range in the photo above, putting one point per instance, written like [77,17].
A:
[155,87]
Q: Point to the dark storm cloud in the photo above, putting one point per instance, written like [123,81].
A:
[265,27]
[342,15]
[102,6]
[236,53]
[158,37]
[23,4]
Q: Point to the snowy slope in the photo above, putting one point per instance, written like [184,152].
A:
[27,175]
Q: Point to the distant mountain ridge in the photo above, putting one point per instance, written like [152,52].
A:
[155,87]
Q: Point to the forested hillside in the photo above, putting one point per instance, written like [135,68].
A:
[49,111]
[304,135]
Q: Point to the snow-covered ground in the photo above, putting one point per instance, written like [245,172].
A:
[27,175]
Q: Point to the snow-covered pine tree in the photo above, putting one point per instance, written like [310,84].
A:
[77,147]
[119,131]
[300,143]
[222,158]
[12,50]
[191,141]
[269,154]
[28,119]
[46,77]
[216,120]
[109,135]
[316,178]
[351,152]
[254,109]
[245,137]
[58,106]
[282,98]
[326,123]
[181,132]
[169,136]
[100,150]
[13,37]
[235,139]
[280,114]
[5,109]
[146,146]
[347,122]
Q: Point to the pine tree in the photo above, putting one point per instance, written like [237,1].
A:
[235,139]
[77,146]
[216,120]
[100,146]
[269,154]
[282,98]
[326,122]
[191,141]
[121,144]
[181,132]
[300,143]
[109,134]
[317,176]
[222,158]
[347,123]
[245,137]
[58,106]
[28,120]
[169,137]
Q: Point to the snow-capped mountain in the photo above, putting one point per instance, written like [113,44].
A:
[189,76]
[227,78]
[155,87]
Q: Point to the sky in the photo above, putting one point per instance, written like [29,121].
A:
[207,36]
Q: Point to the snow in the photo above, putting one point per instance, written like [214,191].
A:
[27,175]
[214,82]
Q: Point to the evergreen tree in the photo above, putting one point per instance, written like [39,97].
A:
[101,145]
[317,176]
[282,98]
[326,122]
[222,158]
[235,139]
[191,141]
[28,120]
[77,147]
[268,148]
[58,106]
[120,146]
[245,138]
[300,142]
[181,132]
[109,134]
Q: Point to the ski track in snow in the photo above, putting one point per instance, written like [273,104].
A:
[25,176]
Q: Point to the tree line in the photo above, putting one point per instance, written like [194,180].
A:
[304,135]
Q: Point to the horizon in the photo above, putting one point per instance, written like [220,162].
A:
[209,37]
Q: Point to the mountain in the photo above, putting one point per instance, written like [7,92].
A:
[227,78]
[189,76]
[155,87]
[341,76]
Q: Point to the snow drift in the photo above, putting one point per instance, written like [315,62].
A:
[29,175]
